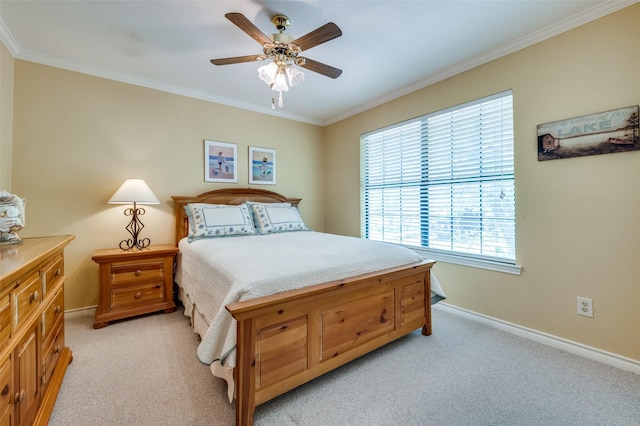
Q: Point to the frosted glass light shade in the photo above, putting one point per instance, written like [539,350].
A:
[280,83]
[134,191]
[267,73]
[296,77]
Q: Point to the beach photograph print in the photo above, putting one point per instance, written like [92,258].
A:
[220,162]
[602,133]
[262,166]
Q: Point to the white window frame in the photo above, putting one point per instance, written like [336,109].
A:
[403,162]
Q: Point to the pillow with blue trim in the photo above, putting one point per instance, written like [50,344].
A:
[218,220]
[272,218]
[253,211]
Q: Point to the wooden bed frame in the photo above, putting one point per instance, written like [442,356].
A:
[290,338]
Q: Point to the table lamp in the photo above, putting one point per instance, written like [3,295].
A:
[134,191]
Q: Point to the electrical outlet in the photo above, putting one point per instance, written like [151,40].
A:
[585,307]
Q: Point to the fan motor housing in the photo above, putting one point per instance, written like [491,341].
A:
[281,38]
[289,51]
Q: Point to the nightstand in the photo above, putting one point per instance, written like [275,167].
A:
[134,282]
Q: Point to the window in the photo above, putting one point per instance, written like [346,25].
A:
[444,183]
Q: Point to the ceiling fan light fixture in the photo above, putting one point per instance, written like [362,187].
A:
[280,76]
[283,50]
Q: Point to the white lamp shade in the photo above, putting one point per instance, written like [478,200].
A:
[134,191]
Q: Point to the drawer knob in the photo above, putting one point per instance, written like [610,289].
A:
[57,310]
[138,273]
[138,295]
[35,296]
[58,349]
[19,396]
[57,273]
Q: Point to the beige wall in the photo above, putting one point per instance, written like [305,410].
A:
[77,138]
[6,116]
[577,219]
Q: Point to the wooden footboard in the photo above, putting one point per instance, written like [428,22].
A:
[290,338]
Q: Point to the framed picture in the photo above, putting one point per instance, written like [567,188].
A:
[220,162]
[262,165]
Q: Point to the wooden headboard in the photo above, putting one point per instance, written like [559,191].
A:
[224,196]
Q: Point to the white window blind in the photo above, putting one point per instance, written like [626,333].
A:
[444,182]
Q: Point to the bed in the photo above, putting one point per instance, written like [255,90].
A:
[299,320]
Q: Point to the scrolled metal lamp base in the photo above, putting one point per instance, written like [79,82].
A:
[134,227]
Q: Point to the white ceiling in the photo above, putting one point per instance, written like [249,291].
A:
[388,48]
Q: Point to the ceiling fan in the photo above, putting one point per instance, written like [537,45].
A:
[284,52]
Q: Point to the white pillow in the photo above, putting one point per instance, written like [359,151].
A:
[218,220]
[271,218]
[253,213]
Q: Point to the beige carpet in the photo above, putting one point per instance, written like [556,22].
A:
[144,372]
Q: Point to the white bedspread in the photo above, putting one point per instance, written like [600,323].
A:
[215,272]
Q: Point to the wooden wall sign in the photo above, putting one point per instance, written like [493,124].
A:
[602,133]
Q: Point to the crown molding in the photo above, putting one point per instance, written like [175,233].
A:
[18,53]
[545,33]
[589,15]
[7,39]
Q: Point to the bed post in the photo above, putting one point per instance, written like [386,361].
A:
[245,372]
[427,328]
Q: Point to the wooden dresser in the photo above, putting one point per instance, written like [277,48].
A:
[33,355]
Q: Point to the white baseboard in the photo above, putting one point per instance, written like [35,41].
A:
[608,358]
[86,308]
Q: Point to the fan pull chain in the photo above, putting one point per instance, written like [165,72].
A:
[273,101]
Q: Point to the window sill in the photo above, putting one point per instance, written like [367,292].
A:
[469,261]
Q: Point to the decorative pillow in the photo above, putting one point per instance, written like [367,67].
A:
[276,217]
[253,213]
[218,220]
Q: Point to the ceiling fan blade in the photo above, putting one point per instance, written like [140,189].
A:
[247,26]
[318,36]
[237,59]
[321,68]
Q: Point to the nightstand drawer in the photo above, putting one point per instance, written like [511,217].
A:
[27,297]
[137,295]
[5,319]
[127,273]
[52,272]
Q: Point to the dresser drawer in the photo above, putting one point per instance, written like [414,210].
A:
[137,295]
[27,297]
[51,272]
[127,273]
[53,314]
[52,353]
[5,388]
[5,319]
